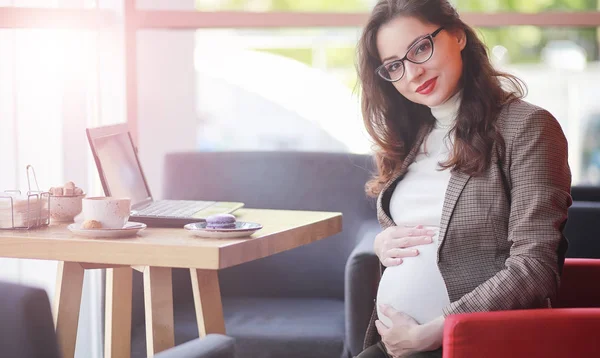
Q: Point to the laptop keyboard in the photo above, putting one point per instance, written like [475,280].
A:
[173,208]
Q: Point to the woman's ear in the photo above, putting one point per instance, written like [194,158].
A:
[461,37]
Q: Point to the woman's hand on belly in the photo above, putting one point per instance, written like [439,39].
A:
[396,242]
[405,336]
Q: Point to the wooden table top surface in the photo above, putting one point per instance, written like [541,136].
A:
[176,247]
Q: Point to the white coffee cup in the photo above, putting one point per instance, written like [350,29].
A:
[111,212]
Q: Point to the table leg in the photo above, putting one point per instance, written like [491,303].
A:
[207,299]
[117,337]
[158,302]
[66,305]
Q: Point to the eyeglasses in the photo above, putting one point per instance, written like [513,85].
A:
[419,52]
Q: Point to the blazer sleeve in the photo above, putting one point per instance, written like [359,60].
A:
[540,180]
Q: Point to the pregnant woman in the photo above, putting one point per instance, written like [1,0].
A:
[472,182]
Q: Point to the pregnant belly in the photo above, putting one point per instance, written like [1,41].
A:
[415,287]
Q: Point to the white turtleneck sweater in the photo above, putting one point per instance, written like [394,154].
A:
[416,287]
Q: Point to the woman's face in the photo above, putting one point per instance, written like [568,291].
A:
[433,82]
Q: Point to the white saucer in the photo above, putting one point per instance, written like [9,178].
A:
[130,229]
[242,229]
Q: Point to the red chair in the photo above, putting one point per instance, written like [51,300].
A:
[570,330]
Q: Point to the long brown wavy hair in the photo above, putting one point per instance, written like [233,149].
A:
[393,122]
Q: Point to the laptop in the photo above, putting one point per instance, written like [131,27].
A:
[121,175]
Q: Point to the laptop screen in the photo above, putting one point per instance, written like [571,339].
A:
[120,168]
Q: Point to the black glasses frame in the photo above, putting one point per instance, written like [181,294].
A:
[430,37]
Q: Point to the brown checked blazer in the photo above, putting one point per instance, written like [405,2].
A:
[501,243]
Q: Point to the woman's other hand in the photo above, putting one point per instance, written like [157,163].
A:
[396,242]
[405,336]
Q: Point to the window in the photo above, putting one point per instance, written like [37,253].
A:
[557,64]
[58,75]
[259,89]
[532,6]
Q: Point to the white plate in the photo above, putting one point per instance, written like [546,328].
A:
[242,229]
[129,230]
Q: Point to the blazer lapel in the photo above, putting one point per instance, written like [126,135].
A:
[456,185]
[384,218]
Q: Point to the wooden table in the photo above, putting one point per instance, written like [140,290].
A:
[155,252]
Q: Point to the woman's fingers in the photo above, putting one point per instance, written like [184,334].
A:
[400,252]
[382,329]
[409,241]
[393,257]
[390,261]
[417,231]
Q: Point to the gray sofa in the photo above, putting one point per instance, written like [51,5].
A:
[27,329]
[26,324]
[313,301]
[582,229]
[586,193]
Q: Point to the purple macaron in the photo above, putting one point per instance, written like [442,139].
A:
[220,221]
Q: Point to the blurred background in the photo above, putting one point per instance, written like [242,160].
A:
[220,75]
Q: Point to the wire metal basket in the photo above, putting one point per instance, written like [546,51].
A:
[25,211]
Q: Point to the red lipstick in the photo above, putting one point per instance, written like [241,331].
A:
[427,87]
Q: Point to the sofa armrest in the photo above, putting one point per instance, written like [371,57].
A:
[26,325]
[211,346]
[585,193]
[579,284]
[568,332]
[362,277]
